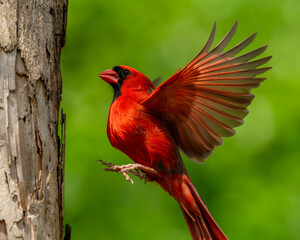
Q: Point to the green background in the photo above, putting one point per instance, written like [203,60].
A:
[250,184]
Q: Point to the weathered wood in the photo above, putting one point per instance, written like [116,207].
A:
[32,34]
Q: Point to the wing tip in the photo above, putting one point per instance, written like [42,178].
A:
[233,28]
[200,158]
[265,47]
[268,58]
[253,36]
[236,23]
[215,24]
[264,69]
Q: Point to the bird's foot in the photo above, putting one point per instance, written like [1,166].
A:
[134,169]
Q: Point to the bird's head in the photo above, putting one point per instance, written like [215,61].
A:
[124,78]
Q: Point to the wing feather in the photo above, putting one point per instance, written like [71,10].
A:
[204,101]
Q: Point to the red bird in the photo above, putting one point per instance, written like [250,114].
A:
[191,112]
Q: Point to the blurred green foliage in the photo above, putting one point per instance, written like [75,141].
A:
[251,184]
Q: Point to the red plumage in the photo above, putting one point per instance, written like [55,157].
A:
[190,111]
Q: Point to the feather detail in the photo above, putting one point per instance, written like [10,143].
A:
[201,224]
[205,100]
[204,226]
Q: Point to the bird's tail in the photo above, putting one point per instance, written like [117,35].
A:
[201,224]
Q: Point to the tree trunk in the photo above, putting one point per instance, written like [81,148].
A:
[32,34]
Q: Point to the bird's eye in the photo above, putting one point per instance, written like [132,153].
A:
[126,72]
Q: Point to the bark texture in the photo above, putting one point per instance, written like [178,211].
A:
[32,34]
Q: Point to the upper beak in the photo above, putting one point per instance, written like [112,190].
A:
[109,76]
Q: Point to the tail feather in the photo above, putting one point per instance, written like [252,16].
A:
[202,226]
[197,227]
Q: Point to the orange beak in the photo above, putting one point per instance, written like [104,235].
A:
[109,76]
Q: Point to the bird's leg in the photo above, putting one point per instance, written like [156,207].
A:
[134,169]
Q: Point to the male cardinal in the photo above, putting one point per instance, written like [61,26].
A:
[190,112]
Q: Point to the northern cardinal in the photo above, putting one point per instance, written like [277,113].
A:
[191,112]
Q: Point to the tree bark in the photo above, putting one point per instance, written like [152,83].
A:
[32,34]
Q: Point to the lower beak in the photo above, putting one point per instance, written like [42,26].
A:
[109,76]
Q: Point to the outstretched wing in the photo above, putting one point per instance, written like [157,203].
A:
[204,101]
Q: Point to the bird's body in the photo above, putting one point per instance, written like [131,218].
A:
[131,129]
[191,111]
